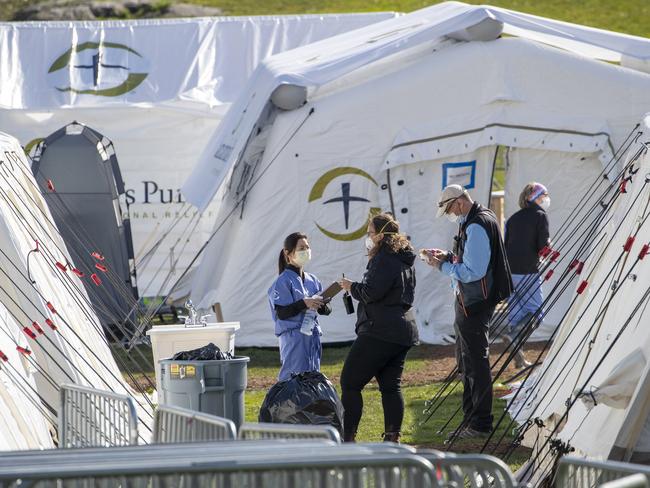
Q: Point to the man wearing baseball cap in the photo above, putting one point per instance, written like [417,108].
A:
[481,278]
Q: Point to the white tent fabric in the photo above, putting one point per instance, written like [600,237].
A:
[77,351]
[394,132]
[327,62]
[601,351]
[157,89]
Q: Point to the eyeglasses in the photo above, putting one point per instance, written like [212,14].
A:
[447,203]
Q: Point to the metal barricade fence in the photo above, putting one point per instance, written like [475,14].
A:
[576,472]
[96,418]
[470,470]
[263,430]
[332,466]
[632,481]
[175,424]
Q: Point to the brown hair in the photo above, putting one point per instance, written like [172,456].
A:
[290,244]
[392,241]
[525,194]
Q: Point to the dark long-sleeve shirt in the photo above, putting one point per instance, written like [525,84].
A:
[286,311]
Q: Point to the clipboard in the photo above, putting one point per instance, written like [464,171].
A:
[331,291]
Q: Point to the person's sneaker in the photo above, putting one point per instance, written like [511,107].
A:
[470,433]
[453,435]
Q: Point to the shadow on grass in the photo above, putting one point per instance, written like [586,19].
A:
[430,431]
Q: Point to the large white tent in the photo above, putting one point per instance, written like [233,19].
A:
[34,289]
[157,89]
[591,392]
[393,112]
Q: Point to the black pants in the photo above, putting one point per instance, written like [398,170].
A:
[472,354]
[368,358]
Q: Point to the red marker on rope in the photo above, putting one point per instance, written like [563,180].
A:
[50,186]
[51,307]
[78,272]
[29,333]
[96,279]
[97,256]
[3,356]
[582,287]
[38,328]
[101,267]
[554,256]
[545,251]
[23,350]
[645,250]
[50,324]
[623,187]
[580,267]
[61,266]
[548,275]
[628,244]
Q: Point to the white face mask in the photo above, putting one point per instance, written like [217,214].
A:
[545,203]
[302,257]
[369,243]
[453,218]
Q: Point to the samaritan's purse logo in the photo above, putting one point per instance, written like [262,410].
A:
[105,69]
[345,200]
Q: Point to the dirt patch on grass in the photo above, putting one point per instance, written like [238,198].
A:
[428,364]
[440,361]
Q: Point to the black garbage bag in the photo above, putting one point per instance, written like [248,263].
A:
[205,353]
[307,398]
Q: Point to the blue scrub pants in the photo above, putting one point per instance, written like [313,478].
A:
[299,352]
[525,301]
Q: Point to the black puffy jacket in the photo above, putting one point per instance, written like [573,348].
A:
[385,298]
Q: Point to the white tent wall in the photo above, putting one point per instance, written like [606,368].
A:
[602,346]
[415,189]
[77,352]
[547,103]
[187,72]
[569,177]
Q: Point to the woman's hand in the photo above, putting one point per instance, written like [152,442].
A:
[345,284]
[314,303]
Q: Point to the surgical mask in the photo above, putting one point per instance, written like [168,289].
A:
[369,243]
[302,257]
[545,203]
[452,217]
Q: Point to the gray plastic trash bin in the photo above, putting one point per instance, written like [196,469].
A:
[214,387]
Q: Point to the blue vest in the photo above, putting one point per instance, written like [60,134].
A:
[287,289]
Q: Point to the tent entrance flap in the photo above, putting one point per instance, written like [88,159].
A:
[78,174]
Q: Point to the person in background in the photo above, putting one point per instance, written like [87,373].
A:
[295,305]
[526,234]
[481,279]
[385,327]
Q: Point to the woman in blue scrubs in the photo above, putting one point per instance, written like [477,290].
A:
[295,304]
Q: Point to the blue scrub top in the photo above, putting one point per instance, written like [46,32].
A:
[287,289]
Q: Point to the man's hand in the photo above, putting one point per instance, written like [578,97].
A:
[434,257]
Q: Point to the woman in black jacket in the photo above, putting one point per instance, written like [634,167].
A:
[526,235]
[385,327]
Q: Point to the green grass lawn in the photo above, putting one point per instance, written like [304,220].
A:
[629,16]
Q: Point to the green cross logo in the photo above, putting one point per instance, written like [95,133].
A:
[345,200]
[116,69]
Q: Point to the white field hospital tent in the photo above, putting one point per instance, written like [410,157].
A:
[392,113]
[157,89]
[49,334]
[592,392]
